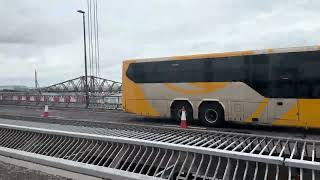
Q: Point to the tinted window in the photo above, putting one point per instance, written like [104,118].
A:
[283,75]
[259,73]
[230,69]
[308,80]
[284,71]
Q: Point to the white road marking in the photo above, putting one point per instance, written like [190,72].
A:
[57,117]
[166,125]
[196,127]
[191,127]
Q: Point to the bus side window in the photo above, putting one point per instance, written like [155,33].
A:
[229,69]
[284,72]
[259,73]
[309,76]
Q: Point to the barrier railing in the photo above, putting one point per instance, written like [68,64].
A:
[102,101]
[118,157]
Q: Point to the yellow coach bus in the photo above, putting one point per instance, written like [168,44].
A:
[273,86]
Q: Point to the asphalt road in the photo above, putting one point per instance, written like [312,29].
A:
[13,172]
[108,115]
[73,116]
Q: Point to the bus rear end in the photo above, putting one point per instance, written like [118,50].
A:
[133,97]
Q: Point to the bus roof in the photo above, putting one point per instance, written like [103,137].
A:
[230,54]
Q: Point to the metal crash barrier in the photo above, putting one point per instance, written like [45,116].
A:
[76,101]
[128,154]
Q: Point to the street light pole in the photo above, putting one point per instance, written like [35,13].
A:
[85,56]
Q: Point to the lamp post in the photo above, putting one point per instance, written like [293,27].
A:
[85,57]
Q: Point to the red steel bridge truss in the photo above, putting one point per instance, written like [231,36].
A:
[103,93]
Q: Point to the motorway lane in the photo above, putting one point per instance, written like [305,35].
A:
[108,115]
[81,117]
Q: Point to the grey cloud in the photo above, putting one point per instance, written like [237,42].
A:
[28,27]
[48,35]
[34,34]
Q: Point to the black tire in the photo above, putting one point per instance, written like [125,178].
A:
[176,111]
[211,115]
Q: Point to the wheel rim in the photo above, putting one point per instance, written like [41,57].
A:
[211,115]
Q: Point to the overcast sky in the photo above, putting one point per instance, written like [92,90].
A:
[47,35]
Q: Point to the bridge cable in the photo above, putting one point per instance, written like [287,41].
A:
[89,37]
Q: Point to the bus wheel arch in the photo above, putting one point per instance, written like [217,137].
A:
[211,113]
[176,107]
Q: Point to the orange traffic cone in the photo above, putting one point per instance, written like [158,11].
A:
[183,122]
[46,111]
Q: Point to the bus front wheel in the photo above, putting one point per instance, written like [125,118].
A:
[211,114]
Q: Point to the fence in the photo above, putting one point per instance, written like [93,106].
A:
[68,101]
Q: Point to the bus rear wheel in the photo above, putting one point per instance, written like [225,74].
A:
[176,111]
[211,115]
